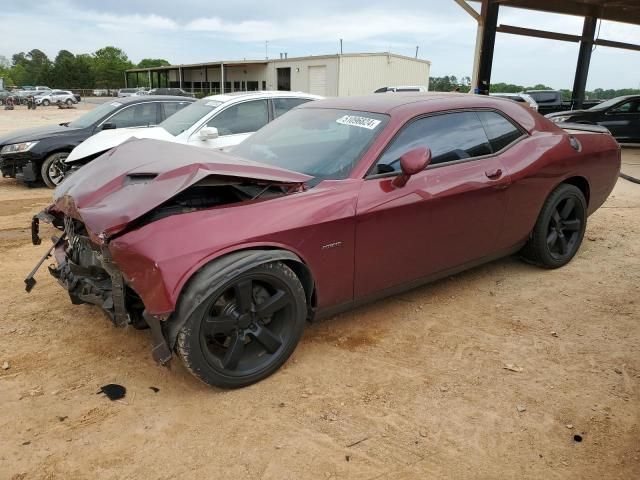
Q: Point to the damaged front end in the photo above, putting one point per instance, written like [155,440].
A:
[88,273]
[119,195]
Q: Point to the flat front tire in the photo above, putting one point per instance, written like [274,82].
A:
[246,329]
[560,228]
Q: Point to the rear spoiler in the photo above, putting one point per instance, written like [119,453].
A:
[571,127]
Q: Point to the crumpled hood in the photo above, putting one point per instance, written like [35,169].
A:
[139,175]
[107,139]
[36,133]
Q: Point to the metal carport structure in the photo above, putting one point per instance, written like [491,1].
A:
[626,11]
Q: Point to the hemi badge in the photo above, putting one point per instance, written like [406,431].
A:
[331,245]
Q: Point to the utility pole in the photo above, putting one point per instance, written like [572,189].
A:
[266,49]
[340,46]
[417,47]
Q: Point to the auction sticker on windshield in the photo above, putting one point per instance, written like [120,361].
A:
[356,121]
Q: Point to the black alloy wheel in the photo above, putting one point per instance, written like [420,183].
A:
[564,228]
[560,228]
[246,329]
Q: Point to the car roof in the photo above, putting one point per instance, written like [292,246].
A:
[225,97]
[406,105]
[386,103]
[146,98]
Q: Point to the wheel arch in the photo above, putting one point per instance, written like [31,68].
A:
[582,183]
[45,156]
[220,269]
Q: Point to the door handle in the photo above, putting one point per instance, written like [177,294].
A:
[493,174]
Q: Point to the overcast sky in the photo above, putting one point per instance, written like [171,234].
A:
[187,31]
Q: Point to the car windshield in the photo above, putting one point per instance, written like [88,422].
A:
[605,104]
[322,143]
[94,115]
[188,116]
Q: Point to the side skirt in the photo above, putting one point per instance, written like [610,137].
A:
[387,292]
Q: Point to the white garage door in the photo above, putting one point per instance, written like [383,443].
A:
[318,80]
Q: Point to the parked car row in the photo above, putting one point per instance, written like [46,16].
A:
[42,95]
[49,153]
[128,92]
[226,255]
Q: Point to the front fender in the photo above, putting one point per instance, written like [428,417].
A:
[216,273]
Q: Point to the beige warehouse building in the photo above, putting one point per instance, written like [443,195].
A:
[328,75]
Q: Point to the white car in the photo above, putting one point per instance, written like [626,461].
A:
[518,97]
[218,121]
[55,96]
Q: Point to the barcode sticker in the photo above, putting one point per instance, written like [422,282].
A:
[356,121]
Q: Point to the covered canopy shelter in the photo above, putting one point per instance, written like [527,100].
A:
[627,11]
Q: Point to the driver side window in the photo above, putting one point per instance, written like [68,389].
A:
[450,136]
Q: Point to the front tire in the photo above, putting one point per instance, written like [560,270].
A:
[560,228]
[68,101]
[46,103]
[53,169]
[246,329]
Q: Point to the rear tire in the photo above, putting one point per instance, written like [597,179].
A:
[559,230]
[246,329]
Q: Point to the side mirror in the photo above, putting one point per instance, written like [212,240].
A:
[412,162]
[108,126]
[208,133]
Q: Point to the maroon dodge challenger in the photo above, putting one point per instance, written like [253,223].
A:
[338,202]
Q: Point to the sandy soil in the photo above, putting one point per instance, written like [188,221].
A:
[410,387]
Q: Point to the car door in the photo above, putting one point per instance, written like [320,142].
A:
[234,124]
[623,121]
[445,216]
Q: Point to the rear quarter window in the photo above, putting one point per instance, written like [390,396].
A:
[500,131]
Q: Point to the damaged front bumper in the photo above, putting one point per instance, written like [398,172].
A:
[89,275]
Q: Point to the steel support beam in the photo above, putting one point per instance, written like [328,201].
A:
[612,44]
[489,22]
[465,6]
[531,32]
[584,58]
[222,78]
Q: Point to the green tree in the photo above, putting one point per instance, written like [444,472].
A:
[63,69]
[84,72]
[72,71]
[109,65]
[153,62]
[505,88]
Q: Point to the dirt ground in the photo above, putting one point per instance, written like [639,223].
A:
[412,387]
